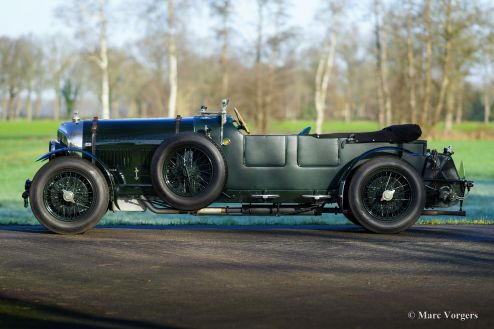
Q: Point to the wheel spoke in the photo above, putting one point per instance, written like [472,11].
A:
[187,171]
[81,191]
[391,208]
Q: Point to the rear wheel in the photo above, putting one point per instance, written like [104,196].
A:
[69,195]
[386,195]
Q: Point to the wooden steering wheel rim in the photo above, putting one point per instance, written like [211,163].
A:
[241,121]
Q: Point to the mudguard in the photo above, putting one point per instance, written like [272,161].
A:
[100,164]
[364,156]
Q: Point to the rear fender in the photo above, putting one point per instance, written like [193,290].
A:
[385,150]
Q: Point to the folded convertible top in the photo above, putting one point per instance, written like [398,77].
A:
[392,134]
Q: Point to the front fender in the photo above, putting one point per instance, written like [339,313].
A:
[100,164]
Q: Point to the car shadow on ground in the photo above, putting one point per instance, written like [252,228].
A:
[477,233]
[17,313]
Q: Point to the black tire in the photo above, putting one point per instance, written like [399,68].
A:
[347,212]
[349,215]
[188,186]
[87,203]
[367,200]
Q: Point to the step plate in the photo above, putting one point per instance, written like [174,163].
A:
[316,197]
[265,196]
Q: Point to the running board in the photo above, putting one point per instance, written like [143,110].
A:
[444,213]
[259,210]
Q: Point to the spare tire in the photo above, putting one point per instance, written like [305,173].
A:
[188,171]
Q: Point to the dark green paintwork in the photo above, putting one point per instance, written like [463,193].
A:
[287,165]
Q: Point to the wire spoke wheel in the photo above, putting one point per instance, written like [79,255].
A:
[68,195]
[386,195]
[188,171]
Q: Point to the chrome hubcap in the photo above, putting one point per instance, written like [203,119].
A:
[68,196]
[387,195]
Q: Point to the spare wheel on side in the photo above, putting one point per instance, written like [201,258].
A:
[188,171]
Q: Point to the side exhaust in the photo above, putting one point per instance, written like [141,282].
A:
[261,210]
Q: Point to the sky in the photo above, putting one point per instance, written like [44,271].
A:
[22,17]
[36,17]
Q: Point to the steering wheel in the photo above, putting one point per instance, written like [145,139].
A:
[241,122]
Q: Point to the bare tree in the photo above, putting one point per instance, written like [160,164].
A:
[446,59]
[102,61]
[60,58]
[223,10]
[281,34]
[88,16]
[411,63]
[427,22]
[486,100]
[385,104]
[332,9]
[261,4]
[172,59]
[323,74]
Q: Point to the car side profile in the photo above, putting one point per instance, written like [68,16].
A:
[210,164]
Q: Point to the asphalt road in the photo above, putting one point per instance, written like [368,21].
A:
[246,277]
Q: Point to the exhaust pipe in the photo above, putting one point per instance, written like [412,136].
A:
[259,210]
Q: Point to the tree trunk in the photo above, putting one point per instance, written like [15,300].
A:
[424,118]
[411,70]
[18,107]
[29,106]
[385,106]
[323,75]
[487,107]
[105,84]
[446,59]
[450,100]
[172,60]
[347,112]
[132,110]
[384,78]
[38,104]
[5,100]
[258,68]
[270,92]
[224,50]
[11,104]
[115,109]
[459,104]
[56,104]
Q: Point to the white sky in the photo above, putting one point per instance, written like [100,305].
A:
[21,17]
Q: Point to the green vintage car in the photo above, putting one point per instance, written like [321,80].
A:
[210,164]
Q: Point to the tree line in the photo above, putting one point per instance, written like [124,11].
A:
[421,61]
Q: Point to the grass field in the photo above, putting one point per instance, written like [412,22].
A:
[22,143]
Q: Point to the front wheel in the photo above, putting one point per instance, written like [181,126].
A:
[386,195]
[69,195]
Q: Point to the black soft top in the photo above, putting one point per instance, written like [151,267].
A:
[392,134]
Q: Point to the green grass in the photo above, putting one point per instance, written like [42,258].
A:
[477,156]
[24,130]
[21,143]
[471,127]
[328,126]
[294,126]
